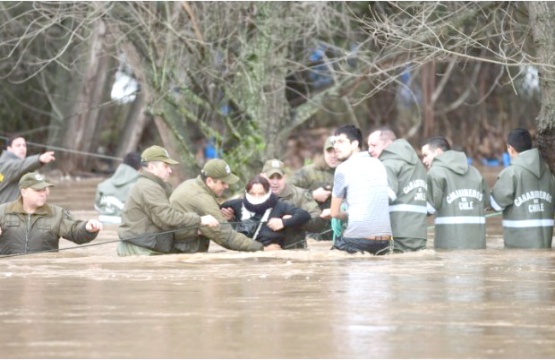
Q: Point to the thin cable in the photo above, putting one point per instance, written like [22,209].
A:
[51,147]
[108,242]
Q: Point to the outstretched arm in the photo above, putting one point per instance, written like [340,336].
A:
[93,226]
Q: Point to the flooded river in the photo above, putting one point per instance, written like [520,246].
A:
[85,302]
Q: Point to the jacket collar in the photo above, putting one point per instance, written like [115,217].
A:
[167,187]
[17,207]
[203,185]
[9,155]
[287,192]
[321,164]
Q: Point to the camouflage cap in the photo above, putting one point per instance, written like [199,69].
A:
[274,166]
[34,181]
[329,143]
[157,153]
[220,170]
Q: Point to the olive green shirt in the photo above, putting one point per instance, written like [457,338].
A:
[194,196]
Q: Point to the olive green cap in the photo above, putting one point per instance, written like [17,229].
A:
[157,153]
[34,181]
[274,166]
[220,170]
[329,143]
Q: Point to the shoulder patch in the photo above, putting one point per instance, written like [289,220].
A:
[67,215]
[1,177]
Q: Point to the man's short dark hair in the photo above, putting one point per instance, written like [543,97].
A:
[386,133]
[11,139]
[133,159]
[351,132]
[438,142]
[520,139]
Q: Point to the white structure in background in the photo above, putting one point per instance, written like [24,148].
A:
[530,82]
[125,86]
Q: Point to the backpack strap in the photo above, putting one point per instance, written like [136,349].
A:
[263,220]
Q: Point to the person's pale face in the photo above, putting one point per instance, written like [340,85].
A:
[18,147]
[160,169]
[376,144]
[33,199]
[257,191]
[217,186]
[277,183]
[330,157]
[428,155]
[344,147]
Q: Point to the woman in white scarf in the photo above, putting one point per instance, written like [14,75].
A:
[261,215]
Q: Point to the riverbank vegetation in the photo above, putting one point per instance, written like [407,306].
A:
[255,80]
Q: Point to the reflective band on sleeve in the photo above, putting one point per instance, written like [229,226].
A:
[528,223]
[391,194]
[494,204]
[460,220]
[409,208]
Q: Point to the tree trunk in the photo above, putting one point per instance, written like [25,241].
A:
[135,123]
[83,91]
[260,91]
[542,22]
[428,86]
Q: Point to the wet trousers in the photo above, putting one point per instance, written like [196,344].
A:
[353,245]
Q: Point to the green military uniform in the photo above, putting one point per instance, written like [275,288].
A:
[302,199]
[524,192]
[41,231]
[407,200]
[24,233]
[458,195]
[314,176]
[148,216]
[195,196]
[148,219]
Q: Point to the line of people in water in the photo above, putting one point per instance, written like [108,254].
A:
[383,197]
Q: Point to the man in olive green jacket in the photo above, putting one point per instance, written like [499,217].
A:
[318,177]
[148,221]
[30,225]
[199,195]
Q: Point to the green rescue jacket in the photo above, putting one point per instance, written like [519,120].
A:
[524,192]
[458,195]
[407,181]
[147,216]
[12,169]
[24,233]
[194,196]
[112,193]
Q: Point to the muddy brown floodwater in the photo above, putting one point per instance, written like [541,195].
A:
[85,302]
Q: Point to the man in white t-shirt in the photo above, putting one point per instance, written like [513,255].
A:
[361,182]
